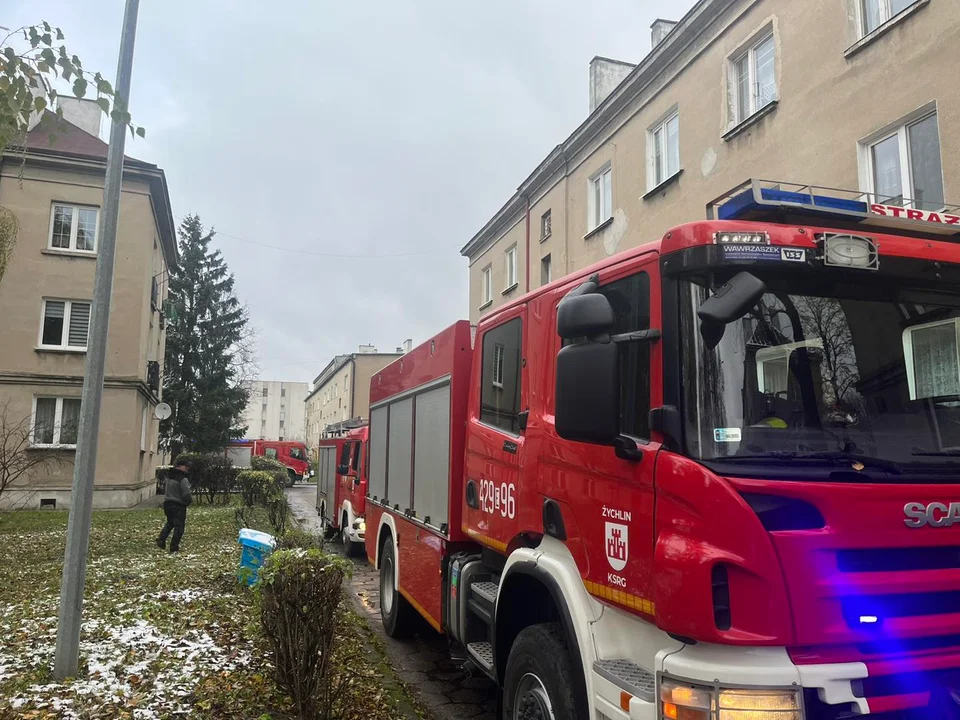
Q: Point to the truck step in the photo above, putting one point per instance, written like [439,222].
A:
[481,653]
[486,590]
[628,676]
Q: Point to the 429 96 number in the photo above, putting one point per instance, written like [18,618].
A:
[498,499]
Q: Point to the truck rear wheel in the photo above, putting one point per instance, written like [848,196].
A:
[539,679]
[349,547]
[397,614]
[291,478]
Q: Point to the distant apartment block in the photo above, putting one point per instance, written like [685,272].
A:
[275,410]
[340,398]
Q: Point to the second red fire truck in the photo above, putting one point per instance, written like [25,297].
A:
[342,487]
[715,477]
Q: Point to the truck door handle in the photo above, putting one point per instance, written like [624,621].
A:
[510,446]
[473,497]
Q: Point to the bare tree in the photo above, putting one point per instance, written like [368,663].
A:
[18,459]
[245,360]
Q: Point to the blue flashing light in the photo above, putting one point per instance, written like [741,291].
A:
[745,203]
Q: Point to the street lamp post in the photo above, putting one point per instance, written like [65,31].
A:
[85,462]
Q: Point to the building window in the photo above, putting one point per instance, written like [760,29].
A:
[904,166]
[663,150]
[73,228]
[546,225]
[144,426]
[500,381]
[56,421]
[600,198]
[283,392]
[486,283]
[511,259]
[263,392]
[932,355]
[546,271]
[497,373]
[65,324]
[753,79]
[875,13]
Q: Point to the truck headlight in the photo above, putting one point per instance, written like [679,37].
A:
[684,701]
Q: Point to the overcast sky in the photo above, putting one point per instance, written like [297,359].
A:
[387,131]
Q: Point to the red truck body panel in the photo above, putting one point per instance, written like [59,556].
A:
[422,547]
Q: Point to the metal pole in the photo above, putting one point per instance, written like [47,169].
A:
[85,462]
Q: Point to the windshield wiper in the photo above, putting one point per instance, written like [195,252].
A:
[835,455]
[936,453]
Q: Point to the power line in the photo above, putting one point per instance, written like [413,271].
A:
[322,254]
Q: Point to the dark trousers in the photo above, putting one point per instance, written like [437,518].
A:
[176,520]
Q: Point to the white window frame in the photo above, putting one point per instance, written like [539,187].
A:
[144,422]
[74,228]
[486,286]
[65,335]
[908,349]
[886,15]
[899,129]
[654,176]
[510,259]
[546,224]
[597,216]
[749,51]
[57,422]
[498,353]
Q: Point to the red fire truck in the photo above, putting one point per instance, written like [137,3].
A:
[342,487]
[714,477]
[292,454]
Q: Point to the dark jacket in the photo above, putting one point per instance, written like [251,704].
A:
[177,488]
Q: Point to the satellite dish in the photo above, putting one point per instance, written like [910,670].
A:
[163,411]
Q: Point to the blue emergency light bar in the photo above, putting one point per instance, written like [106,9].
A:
[766,200]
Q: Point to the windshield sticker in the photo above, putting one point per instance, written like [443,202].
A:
[727,435]
[764,252]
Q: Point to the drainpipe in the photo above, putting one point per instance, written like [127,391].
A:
[529,261]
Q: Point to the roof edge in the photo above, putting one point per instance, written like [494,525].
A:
[649,67]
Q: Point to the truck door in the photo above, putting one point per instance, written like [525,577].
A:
[607,500]
[497,419]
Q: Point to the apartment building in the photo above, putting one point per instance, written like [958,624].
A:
[848,94]
[275,410]
[340,398]
[56,192]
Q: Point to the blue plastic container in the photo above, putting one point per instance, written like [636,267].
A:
[255,546]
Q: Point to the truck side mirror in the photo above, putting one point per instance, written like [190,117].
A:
[584,316]
[588,391]
[731,302]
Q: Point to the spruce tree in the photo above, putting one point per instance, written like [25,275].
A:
[205,329]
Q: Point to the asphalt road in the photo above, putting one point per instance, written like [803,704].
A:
[424,662]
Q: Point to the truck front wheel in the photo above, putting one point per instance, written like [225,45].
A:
[397,614]
[539,679]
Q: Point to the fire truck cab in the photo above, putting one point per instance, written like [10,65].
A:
[715,477]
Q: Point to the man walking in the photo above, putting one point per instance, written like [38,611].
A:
[176,497]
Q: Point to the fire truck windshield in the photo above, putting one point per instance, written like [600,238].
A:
[825,370]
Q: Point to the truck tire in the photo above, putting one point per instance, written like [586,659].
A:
[397,614]
[349,547]
[539,679]
[291,478]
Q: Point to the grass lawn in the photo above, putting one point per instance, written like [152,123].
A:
[164,636]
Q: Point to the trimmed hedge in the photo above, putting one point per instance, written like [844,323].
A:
[211,476]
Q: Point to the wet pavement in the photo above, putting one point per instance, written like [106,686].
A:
[424,662]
